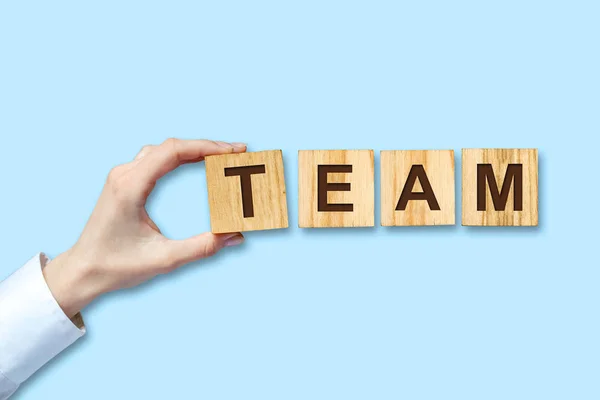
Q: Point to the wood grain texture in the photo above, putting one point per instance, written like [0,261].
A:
[225,192]
[439,168]
[361,194]
[499,160]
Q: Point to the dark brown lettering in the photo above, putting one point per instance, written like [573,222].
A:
[417,171]
[323,187]
[245,174]
[485,172]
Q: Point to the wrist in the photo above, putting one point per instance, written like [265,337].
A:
[69,279]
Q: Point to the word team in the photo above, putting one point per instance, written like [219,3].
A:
[247,192]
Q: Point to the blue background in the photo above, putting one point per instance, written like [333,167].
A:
[381,313]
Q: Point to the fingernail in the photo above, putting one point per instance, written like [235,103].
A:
[234,240]
[237,145]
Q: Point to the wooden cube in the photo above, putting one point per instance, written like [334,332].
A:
[417,187]
[246,191]
[500,187]
[336,188]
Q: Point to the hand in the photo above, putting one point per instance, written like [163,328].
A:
[121,246]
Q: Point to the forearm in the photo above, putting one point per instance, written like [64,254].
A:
[33,327]
[71,281]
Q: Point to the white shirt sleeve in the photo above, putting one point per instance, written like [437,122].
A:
[33,327]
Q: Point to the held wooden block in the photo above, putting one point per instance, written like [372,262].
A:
[417,187]
[336,188]
[500,187]
[246,191]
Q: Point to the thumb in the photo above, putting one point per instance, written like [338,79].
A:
[201,246]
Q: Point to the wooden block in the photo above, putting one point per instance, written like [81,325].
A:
[500,187]
[336,188]
[417,187]
[246,191]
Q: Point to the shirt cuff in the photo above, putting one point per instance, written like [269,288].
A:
[33,327]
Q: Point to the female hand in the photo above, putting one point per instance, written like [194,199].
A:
[121,246]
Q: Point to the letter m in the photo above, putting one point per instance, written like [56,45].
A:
[485,175]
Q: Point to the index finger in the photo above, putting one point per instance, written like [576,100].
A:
[174,152]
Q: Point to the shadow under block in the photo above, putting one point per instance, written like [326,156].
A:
[500,187]
[417,187]
[246,191]
[336,188]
